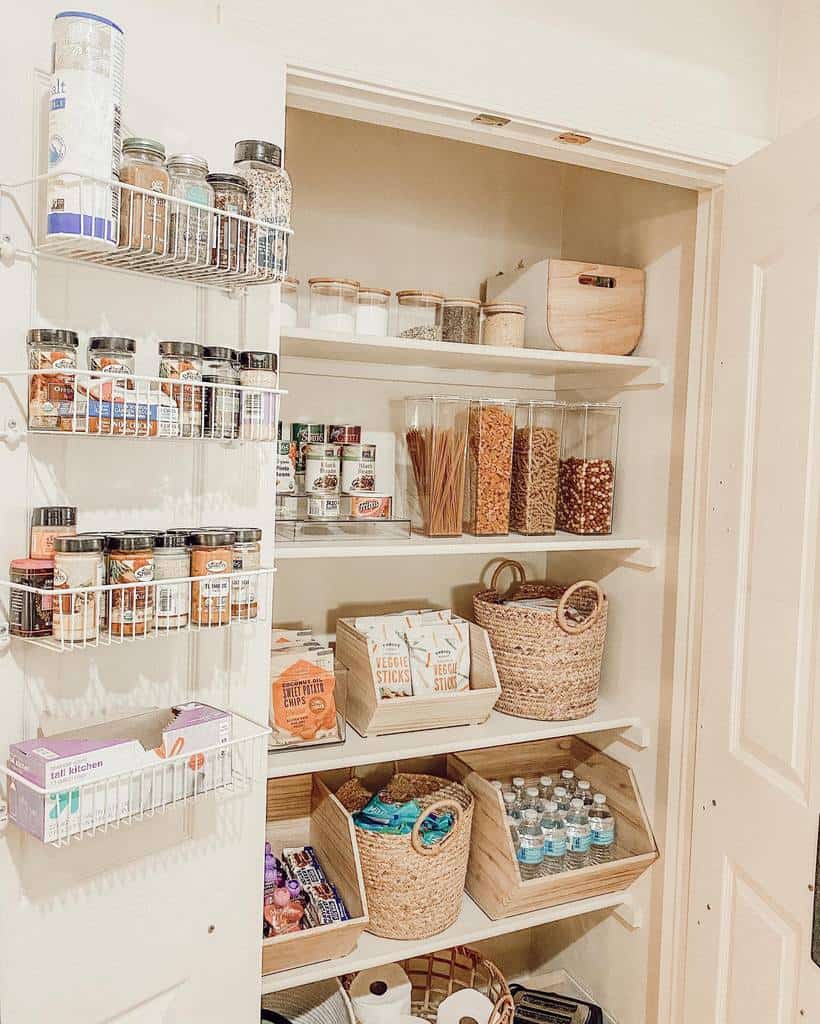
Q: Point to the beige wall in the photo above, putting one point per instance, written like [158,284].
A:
[798,93]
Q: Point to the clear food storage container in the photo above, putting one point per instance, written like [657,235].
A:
[289,306]
[460,321]
[536,453]
[586,472]
[504,325]
[373,311]
[489,466]
[419,315]
[333,304]
[436,437]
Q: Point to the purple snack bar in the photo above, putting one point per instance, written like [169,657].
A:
[325,905]
[303,865]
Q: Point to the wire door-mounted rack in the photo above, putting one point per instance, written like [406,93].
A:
[72,812]
[124,227]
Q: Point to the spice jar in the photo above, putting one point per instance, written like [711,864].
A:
[51,396]
[108,410]
[182,361]
[289,305]
[30,613]
[78,563]
[358,468]
[258,408]
[131,561]
[189,228]
[220,401]
[48,522]
[586,472]
[269,200]
[536,451]
[322,469]
[460,321]
[172,560]
[373,311]
[142,217]
[333,304]
[229,240]
[419,315]
[489,467]
[211,565]
[246,556]
[504,325]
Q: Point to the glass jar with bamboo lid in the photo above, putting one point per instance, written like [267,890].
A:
[436,438]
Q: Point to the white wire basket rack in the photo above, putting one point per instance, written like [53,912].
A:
[98,404]
[78,618]
[113,224]
[58,813]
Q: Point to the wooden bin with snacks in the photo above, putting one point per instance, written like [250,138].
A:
[493,877]
[302,811]
[373,715]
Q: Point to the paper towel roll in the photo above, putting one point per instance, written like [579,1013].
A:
[381,995]
[466,1003]
[412,1020]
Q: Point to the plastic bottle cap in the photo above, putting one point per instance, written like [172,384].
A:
[599,798]
[545,780]
[532,790]
[518,781]
[550,807]
[576,802]
[531,814]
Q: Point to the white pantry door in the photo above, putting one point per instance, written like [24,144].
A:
[757,785]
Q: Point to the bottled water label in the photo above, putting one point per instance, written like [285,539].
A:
[603,835]
[530,854]
[555,847]
[579,843]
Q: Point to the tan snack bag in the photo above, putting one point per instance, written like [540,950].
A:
[439,658]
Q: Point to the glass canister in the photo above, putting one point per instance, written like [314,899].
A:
[143,217]
[131,564]
[108,410]
[47,523]
[333,304]
[30,614]
[172,560]
[436,438]
[489,466]
[536,453]
[373,311]
[289,305]
[182,361]
[504,325]
[51,395]
[220,401]
[229,234]
[586,472]
[189,228]
[211,565]
[244,589]
[78,562]
[257,413]
[270,194]
[460,321]
[419,315]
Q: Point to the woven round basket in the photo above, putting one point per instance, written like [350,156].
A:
[414,891]
[549,664]
[322,1002]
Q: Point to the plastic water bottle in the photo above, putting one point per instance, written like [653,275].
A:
[579,836]
[511,806]
[555,839]
[561,800]
[512,825]
[530,846]
[583,790]
[518,785]
[568,782]
[532,801]
[545,787]
[602,825]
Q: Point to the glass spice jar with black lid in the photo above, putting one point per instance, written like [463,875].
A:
[258,408]
[220,378]
[229,243]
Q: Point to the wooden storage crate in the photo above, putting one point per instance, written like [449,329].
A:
[370,715]
[301,812]
[493,878]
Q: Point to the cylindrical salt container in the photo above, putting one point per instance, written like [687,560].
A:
[84,129]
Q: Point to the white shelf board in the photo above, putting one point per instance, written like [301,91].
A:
[472,925]
[306,342]
[418,546]
[498,730]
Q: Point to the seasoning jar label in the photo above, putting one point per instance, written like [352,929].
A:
[211,586]
[76,616]
[243,588]
[51,395]
[132,607]
[188,399]
[173,604]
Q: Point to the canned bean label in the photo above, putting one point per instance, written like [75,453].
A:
[286,467]
[323,508]
[322,469]
[304,434]
[358,468]
[344,433]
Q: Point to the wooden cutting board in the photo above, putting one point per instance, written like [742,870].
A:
[592,307]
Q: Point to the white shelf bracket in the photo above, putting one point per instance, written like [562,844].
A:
[628,914]
[643,558]
[637,736]
[12,431]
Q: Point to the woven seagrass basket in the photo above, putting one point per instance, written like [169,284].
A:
[414,891]
[549,662]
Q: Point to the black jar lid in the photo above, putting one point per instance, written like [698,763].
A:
[85,542]
[171,539]
[247,534]
[52,336]
[254,149]
[220,352]
[227,180]
[127,345]
[212,538]
[54,515]
[258,361]
[130,541]
[180,348]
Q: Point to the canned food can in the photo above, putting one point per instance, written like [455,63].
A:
[322,469]
[344,433]
[358,469]
[304,434]
[286,467]
[323,507]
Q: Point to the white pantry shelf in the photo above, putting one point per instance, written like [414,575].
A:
[472,925]
[498,730]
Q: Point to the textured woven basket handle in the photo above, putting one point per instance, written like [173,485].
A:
[436,848]
[573,628]
[518,571]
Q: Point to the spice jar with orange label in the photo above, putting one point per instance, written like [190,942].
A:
[131,564]
[47,523]
[182,361]
[211,564]
[51,395]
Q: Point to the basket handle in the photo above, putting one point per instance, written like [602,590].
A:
[518,571]
[436,848]
[574,628]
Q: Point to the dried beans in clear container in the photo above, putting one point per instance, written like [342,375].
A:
[536,452]
[586,475]
[489,466]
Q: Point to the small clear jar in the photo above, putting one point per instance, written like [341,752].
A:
[220,404]
[79,562]
[270,194]
[536,453]
[436,438]
[461,321]
[211,565]
[333,304]
[182,361]
[257,413]
[143,217]
[419,315]
[289,304]
[172,560]
[373,312]
[229,235]
[586,472]
[504,325]
[131,565]
[51,396]
[189,227]
[489,467]
[247,551]
[108,413]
